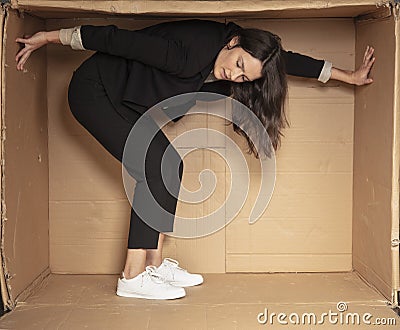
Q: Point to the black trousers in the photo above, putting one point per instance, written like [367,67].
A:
[92,108]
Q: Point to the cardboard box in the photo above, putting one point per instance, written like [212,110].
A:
[335,207]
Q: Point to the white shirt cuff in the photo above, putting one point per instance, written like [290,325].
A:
[72,37]
[326,72]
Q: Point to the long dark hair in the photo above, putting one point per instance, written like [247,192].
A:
[265,97]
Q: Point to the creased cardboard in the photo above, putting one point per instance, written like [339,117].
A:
[25,186]
[373,150]
[299,233]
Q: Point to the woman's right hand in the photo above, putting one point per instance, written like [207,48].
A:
[32,43]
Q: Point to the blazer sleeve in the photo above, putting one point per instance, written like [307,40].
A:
[306,66]
[167,55]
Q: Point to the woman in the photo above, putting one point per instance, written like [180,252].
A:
[133,70]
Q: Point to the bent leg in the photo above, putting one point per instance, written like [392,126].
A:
[90,105]
[158,178]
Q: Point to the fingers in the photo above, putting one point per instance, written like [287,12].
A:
[22,60]
[370,63]
[21,63]
[368,54]
[365,54]
[24,53]
[362,73]
[22,40]
[20,53]
[20,56]
[370,59]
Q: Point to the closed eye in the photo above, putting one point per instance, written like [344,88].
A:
[244,78]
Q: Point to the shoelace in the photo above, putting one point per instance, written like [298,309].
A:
[153,275]
[172,266]
[175,262]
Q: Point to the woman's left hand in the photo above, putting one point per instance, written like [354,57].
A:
[32,43]
[360,76]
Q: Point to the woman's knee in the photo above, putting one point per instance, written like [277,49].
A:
[84,98]
[73,97]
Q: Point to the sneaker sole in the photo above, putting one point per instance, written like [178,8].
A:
[137,295]
[185,284]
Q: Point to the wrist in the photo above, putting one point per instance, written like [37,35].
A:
[53,36]
[346,76]
[352,78]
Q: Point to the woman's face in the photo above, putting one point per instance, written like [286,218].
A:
[236,64]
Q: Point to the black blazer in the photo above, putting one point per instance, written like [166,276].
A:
[143,67]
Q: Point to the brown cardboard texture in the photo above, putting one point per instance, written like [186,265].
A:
[25,162]
[373,179]
[228,301]
[270,8]
[334,211]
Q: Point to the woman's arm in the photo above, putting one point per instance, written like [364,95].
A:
[34,42]
[360,76]
[169,55]
[165,54]
[305,66]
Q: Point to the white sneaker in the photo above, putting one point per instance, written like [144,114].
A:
[176,275]
[148,285]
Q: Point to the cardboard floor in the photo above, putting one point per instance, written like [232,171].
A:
[223,301]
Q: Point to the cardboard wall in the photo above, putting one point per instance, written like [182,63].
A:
[25,156]
[373,152]
[239,8]
[303,228]
[89,214]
